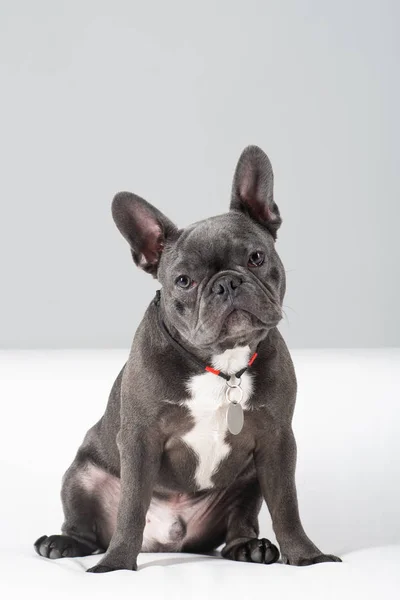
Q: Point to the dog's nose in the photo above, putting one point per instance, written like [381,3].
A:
[226,284]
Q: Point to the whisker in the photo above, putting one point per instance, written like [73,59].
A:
[290,308]
[286,317]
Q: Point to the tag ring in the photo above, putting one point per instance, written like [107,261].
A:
[235,385]
[228,393]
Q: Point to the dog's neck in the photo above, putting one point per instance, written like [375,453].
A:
[232,360]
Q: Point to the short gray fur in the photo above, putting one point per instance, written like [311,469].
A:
[138,444]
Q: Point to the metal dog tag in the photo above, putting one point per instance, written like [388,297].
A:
[234,418]
[234,414]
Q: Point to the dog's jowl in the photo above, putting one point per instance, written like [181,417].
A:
[197,430]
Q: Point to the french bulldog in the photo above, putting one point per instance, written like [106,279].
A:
[197,430]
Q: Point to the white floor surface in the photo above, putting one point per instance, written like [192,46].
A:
[347,425]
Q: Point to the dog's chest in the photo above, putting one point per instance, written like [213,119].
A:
[208,405]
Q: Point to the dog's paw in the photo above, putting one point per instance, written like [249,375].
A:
[60,546]
[320,558]
[257,551]
[313,560]
[103,568]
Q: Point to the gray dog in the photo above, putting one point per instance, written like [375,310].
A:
[197,430]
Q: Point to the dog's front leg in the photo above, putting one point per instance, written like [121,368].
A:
[275,460]
[140,454]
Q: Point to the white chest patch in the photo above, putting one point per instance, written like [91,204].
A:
[208,407]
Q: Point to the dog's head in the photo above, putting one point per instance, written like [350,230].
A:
[222,280]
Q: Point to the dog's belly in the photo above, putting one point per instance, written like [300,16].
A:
[174,521]
[181,521]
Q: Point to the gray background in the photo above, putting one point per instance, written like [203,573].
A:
[159,98]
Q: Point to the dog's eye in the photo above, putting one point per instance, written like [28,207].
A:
[183,281]
[256,259]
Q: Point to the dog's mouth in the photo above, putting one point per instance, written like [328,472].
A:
[238,317]
[239,327]
[239,321]
[242,320]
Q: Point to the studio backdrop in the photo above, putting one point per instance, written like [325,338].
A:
[98,97]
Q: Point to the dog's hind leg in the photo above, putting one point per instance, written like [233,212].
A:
[90,499]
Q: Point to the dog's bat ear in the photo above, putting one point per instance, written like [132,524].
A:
[144,227]
[253,189]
